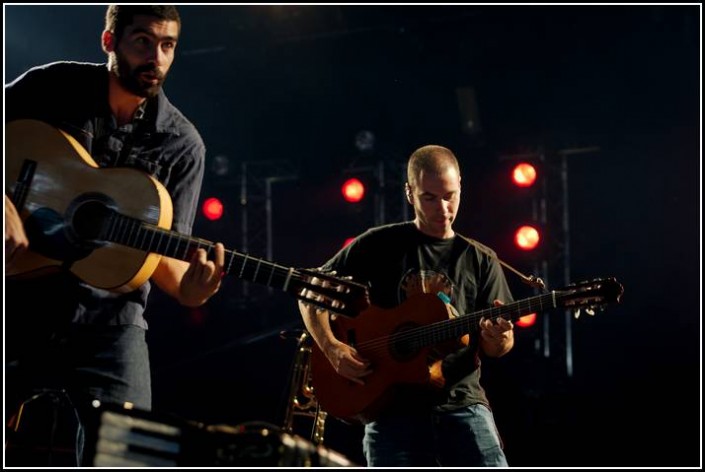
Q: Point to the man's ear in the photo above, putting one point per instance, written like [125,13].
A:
[407,190]
[108,41]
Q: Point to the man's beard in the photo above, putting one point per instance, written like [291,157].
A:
[130,79]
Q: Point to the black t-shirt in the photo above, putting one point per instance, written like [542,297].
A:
[398,262]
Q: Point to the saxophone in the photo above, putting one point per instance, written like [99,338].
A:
[302,400]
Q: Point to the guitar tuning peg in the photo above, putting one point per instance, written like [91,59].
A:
[590,311]
[576,313]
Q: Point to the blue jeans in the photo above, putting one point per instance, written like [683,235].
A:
[57,379]
[466,437]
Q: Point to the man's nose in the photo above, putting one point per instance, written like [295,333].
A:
[156,55]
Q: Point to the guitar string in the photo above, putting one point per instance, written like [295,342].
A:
[133,228]
[123,228]
[446,330]
[434,333]
[520,308]
[187,242]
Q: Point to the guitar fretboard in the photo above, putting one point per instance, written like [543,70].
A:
[446,330]
[146,237]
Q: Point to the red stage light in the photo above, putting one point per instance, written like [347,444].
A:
[212,208]
[527,238]
[353,190]
[524,175]
[526,321]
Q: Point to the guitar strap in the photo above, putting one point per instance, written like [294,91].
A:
[531,280]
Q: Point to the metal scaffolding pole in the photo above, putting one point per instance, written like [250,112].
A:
[256,180]
[391,205]
[550,209]
[565,229]
[558,205]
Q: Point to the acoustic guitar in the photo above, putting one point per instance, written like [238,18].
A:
[401,344]
[111,226]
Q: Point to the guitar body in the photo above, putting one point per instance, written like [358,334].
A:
[406,344]
[61,174]
[393,363]
[111,226]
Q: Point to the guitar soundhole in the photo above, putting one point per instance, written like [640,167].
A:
[403,345]
[46,230]
[89,217]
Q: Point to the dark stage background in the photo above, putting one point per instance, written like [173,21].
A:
[283,91]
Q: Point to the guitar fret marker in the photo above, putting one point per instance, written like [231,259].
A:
[254,277]
[168,241]
[111,227]
[121,231]
[159,243]
[186,248]
[271,273]
[151,240]
[137,234]
[128,232]
[242,269]
[145,233]
[232,258]
[288,277]
[131,233]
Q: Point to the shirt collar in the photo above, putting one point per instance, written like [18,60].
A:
[165,122]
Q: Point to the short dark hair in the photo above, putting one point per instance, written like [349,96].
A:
[432,159]
[118,17]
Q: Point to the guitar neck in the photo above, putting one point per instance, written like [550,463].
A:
[455,328]
[146,237]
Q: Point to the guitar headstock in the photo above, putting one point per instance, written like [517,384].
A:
[340,295]
[590,294]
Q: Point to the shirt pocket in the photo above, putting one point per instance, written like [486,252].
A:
[149,155]
[147,165]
